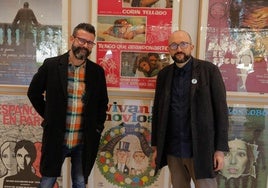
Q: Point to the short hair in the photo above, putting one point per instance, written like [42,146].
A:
[156,55]
[144,59]
[86,27]
[26,5]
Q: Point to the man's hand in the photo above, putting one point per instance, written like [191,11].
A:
[218,160]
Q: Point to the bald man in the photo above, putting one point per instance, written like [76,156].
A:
[190,117]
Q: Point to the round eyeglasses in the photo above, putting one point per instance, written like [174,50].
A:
[182,45]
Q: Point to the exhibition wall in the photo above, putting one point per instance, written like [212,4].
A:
[235,38]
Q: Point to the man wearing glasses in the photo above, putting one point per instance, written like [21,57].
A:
[70,93]
[190,117]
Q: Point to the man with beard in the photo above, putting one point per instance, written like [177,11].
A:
[70,93]
[190,117]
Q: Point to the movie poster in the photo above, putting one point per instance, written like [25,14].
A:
[237,42]
[20,143]
[30,31]
[125,155]
[246,163]
[132,41]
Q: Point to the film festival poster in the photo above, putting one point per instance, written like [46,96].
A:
[20,128]
[125,155]
[245,165]
[128,36]
[237,41]
[25,43]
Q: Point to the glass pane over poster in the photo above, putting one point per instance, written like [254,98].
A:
[132,41]
[246,163]
[234,36]
[30,31]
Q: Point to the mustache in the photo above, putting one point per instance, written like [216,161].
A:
[179,53]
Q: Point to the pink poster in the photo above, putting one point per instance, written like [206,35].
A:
[237,41]
[132,42]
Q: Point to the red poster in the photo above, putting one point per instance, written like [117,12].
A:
[132,42]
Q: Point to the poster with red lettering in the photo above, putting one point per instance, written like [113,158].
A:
[125,156]
[20,143]
[132,41]
[234,36]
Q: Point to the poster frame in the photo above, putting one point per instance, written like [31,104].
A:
[18,89]
[251,97]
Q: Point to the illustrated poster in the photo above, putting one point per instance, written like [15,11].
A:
[20,143]
[125,155]
[246,163]
[237,41]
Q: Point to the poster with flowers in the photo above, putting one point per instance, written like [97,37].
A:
[132,41]
[234,36]
[125,155]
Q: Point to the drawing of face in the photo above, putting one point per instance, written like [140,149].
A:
[23,158]
[122,156]
[139,156]
[236,160]
[8,157]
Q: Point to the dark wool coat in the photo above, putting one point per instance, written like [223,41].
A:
[48,94]
[209,115]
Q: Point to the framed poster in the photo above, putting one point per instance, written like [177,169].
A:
[30,31]
[21,136]
[132,42]
[246,163]
[233,35]
[125,155]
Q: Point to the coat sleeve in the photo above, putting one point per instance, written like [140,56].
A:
[36,90]
[103,100]
[220,110]
[155,111]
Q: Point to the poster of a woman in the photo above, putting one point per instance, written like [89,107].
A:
[239,170]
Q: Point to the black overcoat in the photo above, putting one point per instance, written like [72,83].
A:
[48,94]
[209,115]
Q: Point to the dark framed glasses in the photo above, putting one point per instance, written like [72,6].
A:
[82,41]
[182,45]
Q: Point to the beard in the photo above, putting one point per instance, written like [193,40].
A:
[182,60]
[80,53]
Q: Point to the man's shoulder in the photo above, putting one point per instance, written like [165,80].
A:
[204,63]
[167,68]
[59,58]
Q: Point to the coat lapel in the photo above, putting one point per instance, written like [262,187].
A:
[169,81]
[195,77]
[63,72]
[89,81]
